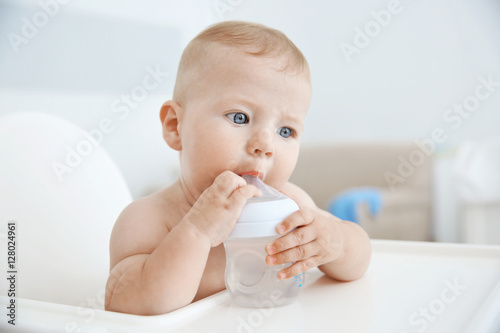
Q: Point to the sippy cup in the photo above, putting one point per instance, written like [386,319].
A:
[249,280]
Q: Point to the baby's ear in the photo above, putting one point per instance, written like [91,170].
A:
[170,123]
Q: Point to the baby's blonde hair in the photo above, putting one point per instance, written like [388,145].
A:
[252,38]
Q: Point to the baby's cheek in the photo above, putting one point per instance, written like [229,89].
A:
[281,173]
[229,163]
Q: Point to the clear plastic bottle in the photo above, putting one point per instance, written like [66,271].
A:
[249,280]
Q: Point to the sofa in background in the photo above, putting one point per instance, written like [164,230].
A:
[326,170]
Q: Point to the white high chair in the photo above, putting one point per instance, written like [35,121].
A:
[63,224]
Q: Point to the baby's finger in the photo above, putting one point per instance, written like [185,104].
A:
[243,193]
[225,184]
[297,268]
[295,254]
[297,237]
[299,218]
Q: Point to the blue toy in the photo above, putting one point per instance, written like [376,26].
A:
[345,204]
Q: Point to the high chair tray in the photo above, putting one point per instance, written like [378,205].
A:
[409,287]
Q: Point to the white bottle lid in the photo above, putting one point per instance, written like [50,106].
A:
[262,214]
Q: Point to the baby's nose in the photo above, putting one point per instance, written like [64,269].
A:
[262,143]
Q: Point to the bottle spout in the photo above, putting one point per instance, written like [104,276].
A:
[268,192]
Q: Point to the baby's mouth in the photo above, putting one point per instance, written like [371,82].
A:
[255,174]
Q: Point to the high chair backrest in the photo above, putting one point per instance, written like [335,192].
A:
[61,193]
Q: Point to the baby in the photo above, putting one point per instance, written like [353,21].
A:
[240,98]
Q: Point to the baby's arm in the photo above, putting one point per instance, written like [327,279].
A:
[154,270]
[148,274]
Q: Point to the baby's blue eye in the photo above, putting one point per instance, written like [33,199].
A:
[238,118]
[285,132]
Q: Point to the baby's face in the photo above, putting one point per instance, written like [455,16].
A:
[244,116]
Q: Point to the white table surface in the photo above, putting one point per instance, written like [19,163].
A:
[409,287]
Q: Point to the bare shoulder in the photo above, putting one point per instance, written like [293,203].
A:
[298,195]
[140,227]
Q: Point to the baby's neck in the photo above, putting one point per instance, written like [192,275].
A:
[184,198]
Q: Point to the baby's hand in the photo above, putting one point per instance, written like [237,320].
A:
[316,241]
[217,209]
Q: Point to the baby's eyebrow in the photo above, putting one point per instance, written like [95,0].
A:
[296,121]
[245,102]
